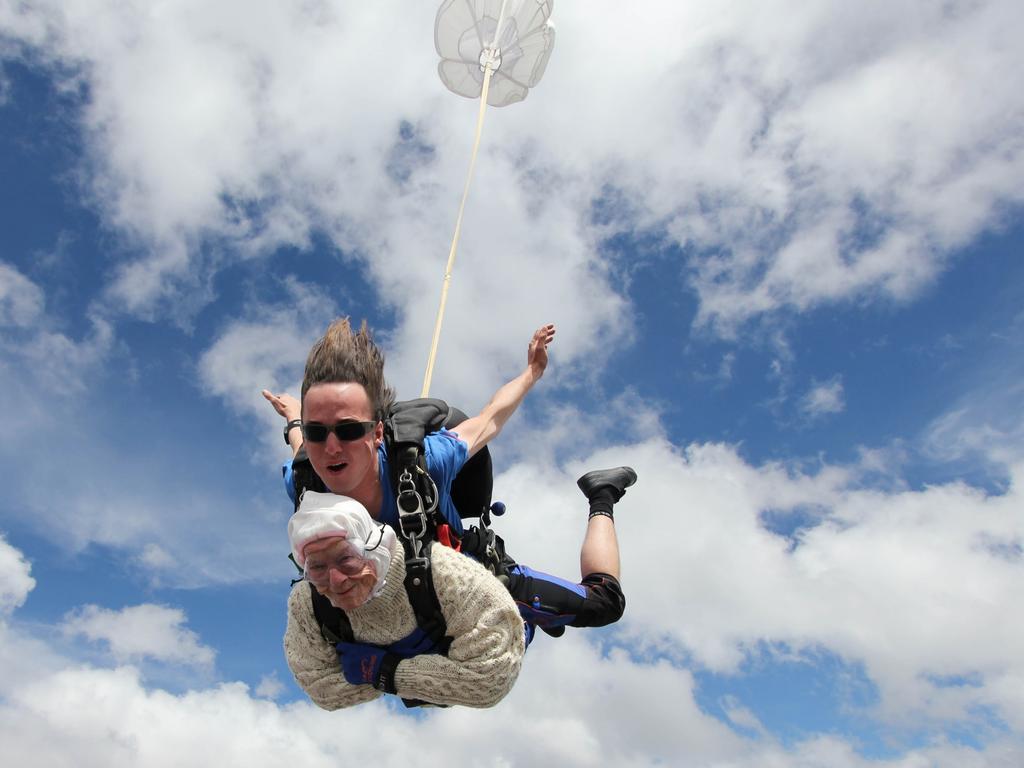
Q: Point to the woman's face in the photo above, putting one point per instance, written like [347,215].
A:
[340,573]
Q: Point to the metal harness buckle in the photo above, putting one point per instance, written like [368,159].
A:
[412,517]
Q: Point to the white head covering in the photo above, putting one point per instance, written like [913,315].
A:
[328,515]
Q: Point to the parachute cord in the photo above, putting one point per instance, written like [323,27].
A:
[458,230]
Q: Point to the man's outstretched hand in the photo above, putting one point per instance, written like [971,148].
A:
[286,405]
[537,353]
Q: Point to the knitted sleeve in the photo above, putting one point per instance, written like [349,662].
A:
[313,661]
[487,651]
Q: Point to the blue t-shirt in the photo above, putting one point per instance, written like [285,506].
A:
[445,453]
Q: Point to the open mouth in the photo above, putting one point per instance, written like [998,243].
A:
[336,467]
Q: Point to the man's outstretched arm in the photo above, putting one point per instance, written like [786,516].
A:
[479,430]
[290,410]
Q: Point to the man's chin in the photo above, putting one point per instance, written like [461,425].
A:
[338,483]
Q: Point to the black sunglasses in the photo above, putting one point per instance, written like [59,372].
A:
[346,431]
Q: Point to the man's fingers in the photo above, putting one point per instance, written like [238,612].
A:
[281,405]
[545,333]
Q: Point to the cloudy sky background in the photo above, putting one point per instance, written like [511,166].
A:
[781,243]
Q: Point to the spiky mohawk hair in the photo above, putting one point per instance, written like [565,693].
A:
[344,355]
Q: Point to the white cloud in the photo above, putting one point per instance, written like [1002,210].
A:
[153,526]
[16,648]
[818,153]
[60,364]
[21,300]
[983,426]
[5,85]
[855,136]
[910,585]
[44,358]
[742,717]
[140,632]
[824,399]
[156,558]
[106,717]
[270,686]
[75,491]
[727,366]
[211,149]
[121,488]
[15,579]
[267,350]
[89,716]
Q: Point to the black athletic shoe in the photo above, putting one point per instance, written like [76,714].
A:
[617,479]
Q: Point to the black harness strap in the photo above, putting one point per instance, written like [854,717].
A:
[417,523]
[304,478]
[333,622]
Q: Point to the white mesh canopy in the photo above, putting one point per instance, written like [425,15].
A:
[464,35]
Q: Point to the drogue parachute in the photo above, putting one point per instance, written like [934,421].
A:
[513,38]
[495,51]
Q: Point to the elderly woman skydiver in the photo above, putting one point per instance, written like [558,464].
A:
[359,566]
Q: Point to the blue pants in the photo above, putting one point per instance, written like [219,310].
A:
[549,601]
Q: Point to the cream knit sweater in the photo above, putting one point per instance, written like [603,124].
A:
[483,660]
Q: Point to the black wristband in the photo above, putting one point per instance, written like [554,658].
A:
[289,427]
[386,676]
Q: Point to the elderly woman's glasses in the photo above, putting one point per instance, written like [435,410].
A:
[318,570]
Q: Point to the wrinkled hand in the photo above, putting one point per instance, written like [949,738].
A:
[286,405]
[537,354]
[360,663]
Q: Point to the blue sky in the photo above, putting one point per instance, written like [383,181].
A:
[782,247]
